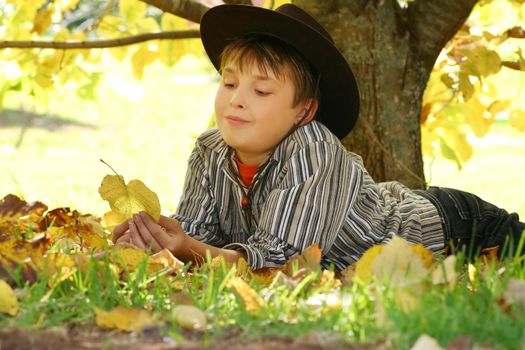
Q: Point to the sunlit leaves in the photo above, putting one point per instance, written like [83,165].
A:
[8,299]
[459,98]
[517,119]
[128,199]
[127,319]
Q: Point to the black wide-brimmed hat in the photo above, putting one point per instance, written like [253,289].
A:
[339,106]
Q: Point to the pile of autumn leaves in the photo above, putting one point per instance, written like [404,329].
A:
[60,242]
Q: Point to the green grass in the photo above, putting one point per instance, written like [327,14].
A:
[471,309]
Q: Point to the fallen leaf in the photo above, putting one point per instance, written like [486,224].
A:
[251,300]
[8,300]
[131,320]
[309,259]
[398,261]
[426,342]
[445,272]
[189,316]
[129,199]
[515,292]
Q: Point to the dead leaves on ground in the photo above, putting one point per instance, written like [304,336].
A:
[60,242]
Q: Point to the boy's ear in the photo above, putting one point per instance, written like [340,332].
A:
[308,112]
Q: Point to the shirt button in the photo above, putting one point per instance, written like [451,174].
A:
[245,202]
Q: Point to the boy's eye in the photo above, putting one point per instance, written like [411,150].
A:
[227,84]
[261,92]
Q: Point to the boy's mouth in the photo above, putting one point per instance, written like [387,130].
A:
[236,120]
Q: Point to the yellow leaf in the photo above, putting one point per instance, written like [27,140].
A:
[398,261]
[131,320]
[132,10]
[141,58]
[166,260]
[463,147]
[112,219]
[517,119]
[482,62]
[499,106]
[8,300]
[474,114]
[129,199]
[465,86]
[445,272]
[189,316]
[309,259]
[42,20]
[363,267]
[66,5]
[251,300]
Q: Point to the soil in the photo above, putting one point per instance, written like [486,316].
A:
[86,337]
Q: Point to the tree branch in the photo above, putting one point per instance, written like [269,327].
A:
[513,65]
[189,9]
[101,44]
[432,23]
[516,33]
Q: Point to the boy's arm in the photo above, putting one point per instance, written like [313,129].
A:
[145,233]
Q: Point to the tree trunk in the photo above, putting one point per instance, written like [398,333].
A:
[382,43]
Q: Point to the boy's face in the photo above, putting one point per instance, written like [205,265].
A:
[254,111]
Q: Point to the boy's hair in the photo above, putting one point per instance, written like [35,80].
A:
[272,54]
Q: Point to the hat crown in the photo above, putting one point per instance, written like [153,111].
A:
[302,16]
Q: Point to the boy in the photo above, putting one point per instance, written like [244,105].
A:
[273,178]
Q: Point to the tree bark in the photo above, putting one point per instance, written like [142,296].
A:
[391,51]
[189,9]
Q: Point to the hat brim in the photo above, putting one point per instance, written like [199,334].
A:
[339,105]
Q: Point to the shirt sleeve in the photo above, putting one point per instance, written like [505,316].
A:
[197,210]
[307,207]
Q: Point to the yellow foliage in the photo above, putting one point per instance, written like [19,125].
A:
[131,320]
[251,300]
[143,56]
[42,20]
[129,199]
[517,119]
[8,299]
[398,261]
[132,10]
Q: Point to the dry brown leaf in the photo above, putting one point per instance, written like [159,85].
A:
[309,259]
[131,320]
[251,300]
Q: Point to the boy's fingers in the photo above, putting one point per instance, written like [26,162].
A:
[135,237]
[119,230]
[124,238]
[147,229]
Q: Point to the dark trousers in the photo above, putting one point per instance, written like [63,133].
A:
[472,224]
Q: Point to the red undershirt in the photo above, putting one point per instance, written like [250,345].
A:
[246,172]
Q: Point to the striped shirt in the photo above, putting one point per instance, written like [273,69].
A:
[311,190]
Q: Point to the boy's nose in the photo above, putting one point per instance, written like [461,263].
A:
[237,101]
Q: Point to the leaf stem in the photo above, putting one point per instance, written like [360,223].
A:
[102,160]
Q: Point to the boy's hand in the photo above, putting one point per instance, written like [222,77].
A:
[146,233]
[121,232]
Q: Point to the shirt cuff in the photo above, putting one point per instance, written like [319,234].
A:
[255,258]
